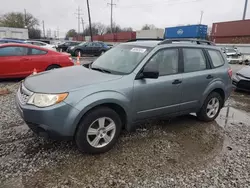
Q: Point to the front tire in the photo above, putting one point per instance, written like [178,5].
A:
[211,107]
[76,53]
[98,131]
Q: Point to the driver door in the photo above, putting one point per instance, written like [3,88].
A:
[158,97]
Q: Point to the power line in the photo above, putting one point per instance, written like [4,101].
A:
[111,18]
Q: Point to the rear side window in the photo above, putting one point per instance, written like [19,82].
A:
[37,52]
[194,60]
[216,58]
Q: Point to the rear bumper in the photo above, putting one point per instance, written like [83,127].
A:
[55,122]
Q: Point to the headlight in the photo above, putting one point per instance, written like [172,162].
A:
[72,47]
[45,100]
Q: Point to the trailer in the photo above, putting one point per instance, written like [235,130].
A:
[189,31]
[150,34]
[15,33]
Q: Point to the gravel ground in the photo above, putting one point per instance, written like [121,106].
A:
[180,152]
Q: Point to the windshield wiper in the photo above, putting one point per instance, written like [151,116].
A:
[100,69]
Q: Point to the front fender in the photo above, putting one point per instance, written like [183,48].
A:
[100,98]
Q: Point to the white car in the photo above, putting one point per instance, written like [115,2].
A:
[42,44]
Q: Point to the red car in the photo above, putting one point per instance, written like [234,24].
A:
[19,60]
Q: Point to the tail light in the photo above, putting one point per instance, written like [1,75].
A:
[230,72]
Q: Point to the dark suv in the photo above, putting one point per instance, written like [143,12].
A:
[89,48]
[64,46]
[132,82]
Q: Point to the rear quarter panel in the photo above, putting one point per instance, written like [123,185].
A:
[221,81]
[64,60]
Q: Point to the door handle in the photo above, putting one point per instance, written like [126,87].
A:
[25,59]
[177,82]
[210,76]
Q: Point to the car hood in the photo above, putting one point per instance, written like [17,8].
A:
[66,79]
[245,72]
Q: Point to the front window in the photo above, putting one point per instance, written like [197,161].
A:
[83,44]
[166,60]
[122,59]
[13,51]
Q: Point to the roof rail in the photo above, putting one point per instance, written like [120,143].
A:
[197,41]
[145,39]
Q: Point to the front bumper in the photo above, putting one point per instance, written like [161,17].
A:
[241,83]
[70,51]
[55,122]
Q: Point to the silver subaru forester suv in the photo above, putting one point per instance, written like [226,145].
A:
[132,82]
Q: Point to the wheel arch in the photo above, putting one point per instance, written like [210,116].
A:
[112,105]
[217,87]
[54,64]
[113,100]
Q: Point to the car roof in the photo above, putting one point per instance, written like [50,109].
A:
[154,43]
[25,45]
[147,43]
[35,41]
[11,40]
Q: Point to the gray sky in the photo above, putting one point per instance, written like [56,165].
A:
[128,13]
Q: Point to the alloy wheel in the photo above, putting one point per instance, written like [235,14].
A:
[213,107]
[101,132]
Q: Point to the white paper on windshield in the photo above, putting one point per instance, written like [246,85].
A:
[138,50]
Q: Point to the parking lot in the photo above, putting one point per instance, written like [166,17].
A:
[179,152]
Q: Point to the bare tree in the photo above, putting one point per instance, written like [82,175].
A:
[148,27]
[101,28]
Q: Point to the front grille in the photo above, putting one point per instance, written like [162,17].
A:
[23,94]
[243,84]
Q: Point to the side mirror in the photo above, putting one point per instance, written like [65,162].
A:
[150,72]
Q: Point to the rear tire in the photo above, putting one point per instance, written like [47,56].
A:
[211,107]
[98,131]
[51,67]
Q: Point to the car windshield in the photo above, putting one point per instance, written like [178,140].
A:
[122,59]
[82,44]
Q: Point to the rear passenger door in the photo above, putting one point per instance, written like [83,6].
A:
[37,60]
[87,49]
[197,74]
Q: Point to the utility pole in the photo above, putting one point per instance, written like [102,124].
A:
[90,27]
[43,30]
[79,19]
[245,10]
[82,27]
[202,12]
[25,19]
[57,32]
[111,18]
